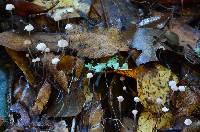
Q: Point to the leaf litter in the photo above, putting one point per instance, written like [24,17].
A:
[102,65]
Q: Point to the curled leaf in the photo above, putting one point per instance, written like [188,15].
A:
[42,99]
[22,62]
[59,76]
[68,63]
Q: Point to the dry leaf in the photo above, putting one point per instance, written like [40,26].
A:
[95,118]
[60,127]
[117,14]
[187,35]
[42,99]
[148,122]
[22,62]
[16,41]
[59,76]
[185,103]
[99,44]
[67,105]
[87,44]
[68,63]
[28,95]
[64,5]
[128,124]
[153,84]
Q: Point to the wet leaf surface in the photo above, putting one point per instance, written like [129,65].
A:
[42,99]
[22,62]
[144,39]
[148,122]
[24,119]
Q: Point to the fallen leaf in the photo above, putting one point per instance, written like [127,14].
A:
[60,126]
[67,105]
[105,43]
[22,62]
[28,95]
[42,99]
[187,35]
[95,118]
[185,103]
[99,44]
[24,117]
[144,39]
[153,84]
[118,14]
[148,122]
[68,63]
[63,7]
[127,125]
[59,76]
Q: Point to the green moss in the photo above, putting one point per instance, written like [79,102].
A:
[112,63]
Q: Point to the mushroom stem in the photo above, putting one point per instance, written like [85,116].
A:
[59,26]
[120,110]
[12,21]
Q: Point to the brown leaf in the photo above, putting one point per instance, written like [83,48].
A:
[95,118]
[67,105]
[59,76]
[42,99]
[68,63]
[127,125]
[186,34]
[185,103]
[87,44]
[22,62]
[99,44]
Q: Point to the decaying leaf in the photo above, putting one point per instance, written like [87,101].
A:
[128,124]
[133,73]
[68,63]
[16,41]
[149,122]
[20,59]
[144,39]
[106,43]
[194,127]
[59,76]
[185,103]
[99,44]
[28,95]
[24,119]
[64,7]
[153,84]
[42,99]
[60,127]
[187,35]
[67,105]
[95,119]
[117,14]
